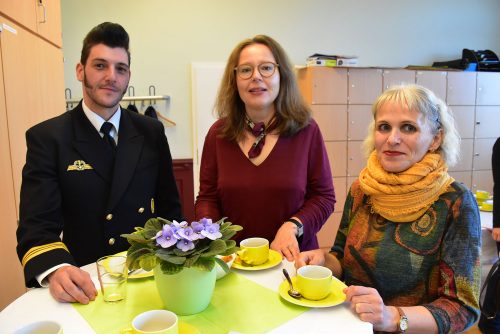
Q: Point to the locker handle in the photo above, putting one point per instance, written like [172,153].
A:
[44,19]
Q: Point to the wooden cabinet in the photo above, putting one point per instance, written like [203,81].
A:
[30,64]
[464,120]
[393,77]
[32,90]
[326,236]
[488,84]
[12,274]
[467,153]
[337,156]
[364,85]
[49,20]
[332,120]
[22,11]
[359,117]
[487,121]
[461,89]
[434,80]
[324,85]
[341,100]
[42,17]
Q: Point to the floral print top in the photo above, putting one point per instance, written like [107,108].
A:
[433,261]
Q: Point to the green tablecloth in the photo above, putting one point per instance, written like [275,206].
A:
[238,304]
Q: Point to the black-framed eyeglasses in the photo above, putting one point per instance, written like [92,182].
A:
[245,71]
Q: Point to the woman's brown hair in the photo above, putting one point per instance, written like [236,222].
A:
[291,111]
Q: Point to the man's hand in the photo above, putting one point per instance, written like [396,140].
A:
[285,241]
[71,284]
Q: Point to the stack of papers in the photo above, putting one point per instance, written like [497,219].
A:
[318,59]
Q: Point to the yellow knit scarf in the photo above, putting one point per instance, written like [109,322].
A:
[404,197]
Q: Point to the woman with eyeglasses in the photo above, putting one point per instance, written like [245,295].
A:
[409,240]
[264,163]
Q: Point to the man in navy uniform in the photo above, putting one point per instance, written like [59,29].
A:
[92,174]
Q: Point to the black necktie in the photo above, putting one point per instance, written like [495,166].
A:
[110,141]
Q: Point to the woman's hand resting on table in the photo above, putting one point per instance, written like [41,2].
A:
[369,306]
[285,242]
[71,284]
[365,302]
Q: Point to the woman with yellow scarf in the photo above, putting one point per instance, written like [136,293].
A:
[409,241]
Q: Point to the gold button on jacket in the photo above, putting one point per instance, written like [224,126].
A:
[111,241]
[109,216]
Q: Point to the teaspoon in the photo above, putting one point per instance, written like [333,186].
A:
[292,292]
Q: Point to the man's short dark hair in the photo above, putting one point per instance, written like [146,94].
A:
[110,34]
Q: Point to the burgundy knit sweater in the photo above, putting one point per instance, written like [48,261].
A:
[294,180]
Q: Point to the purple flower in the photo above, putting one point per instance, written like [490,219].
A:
[187,233]
[206,221]
[197,227]
[176,225]
[185,245]
[211,231]
[166,237]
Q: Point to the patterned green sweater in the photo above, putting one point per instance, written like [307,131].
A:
[433,261]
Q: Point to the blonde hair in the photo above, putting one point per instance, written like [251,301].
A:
[436,113]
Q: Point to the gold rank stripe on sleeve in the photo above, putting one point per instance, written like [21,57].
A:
[38,250]
[79,165]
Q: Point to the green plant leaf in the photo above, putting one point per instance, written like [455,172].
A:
[152,226]
[190,261]
[170,268]
[171,258]
[230,243]
[148,261]
[135,237]
[180,252]
[216,247]
[206,264]
[228,234]
[164,221]
[164,251]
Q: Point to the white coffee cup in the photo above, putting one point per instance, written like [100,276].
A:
[156,322]
[41,327]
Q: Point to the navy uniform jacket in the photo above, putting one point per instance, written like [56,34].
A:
[69,186]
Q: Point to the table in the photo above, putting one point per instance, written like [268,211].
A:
[37,304]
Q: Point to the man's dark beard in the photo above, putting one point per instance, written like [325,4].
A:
[89,86]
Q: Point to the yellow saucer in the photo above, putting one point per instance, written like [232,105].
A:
[335,297]
[486,208]
[139,273]
[274,259]
[185,328]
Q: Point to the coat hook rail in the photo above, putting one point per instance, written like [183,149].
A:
[132,98]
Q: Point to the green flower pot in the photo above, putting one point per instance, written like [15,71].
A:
[187,292]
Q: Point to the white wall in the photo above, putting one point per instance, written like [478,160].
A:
[168,35]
